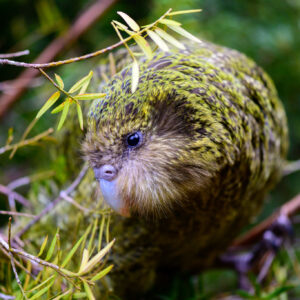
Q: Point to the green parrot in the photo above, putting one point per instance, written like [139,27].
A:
[185,161]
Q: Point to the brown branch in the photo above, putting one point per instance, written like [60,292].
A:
[7,191]
[288,209]
[52,204]
[82,24]
[15,54]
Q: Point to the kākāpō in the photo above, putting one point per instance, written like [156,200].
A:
[186,160]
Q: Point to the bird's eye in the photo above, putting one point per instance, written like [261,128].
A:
[133,140]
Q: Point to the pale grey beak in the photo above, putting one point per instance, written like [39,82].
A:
[107,178]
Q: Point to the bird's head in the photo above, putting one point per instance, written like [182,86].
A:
[151,149]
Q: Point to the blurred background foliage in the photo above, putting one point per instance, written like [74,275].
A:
[266,30]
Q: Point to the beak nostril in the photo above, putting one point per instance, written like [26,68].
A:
[106,172]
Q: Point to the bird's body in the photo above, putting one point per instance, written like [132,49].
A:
[190,156]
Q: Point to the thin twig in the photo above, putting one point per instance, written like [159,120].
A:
[81,25]
[291,167]
[27,142]
[52,204]
[15,54]
[12,260]
[7,191]
[72,201]
[6,297]
[14,213]
[288,209]
[83,57]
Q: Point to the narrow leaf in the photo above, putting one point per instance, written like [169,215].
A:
[169,22]
[158,41]
[130,22]
[88,291]
[80,117]
[169,38]
[184,33]
[135,76]
[37,287]
[73,250]
[59,81]
[81,82]
[62,295]
[97,258]
[48,104]
[63,114]
[144,45]
[52,247]
[120,25]
[181,12]
[84,260]
[43,246]
[42,291]
[90,96]
[58,108]
[102,273]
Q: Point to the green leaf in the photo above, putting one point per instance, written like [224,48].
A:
[102,273]
[41,284]
[96,259]
[84,260]
[53,98]
[52,247]
[59,108]
[184,33]
[120,25]
[144,45]
[169,22]
[81,82]
[169,38]
[278,292]
[130,22]
[43,246]
[90,96]
[158,41]
[59,81]
[80,117]
[64,114]
[73,250]
[187,11]
[62,295]
[42,291]
[88,291]
[135,76]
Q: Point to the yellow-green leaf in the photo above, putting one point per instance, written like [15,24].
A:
[63,114]
[169,38]
[96,259]
[181,12]
[80,117]
[62,295]
[144,45]
[84,260]
[37,287]
[169,22]
[73,250]
[43,246]
[88,291]
[59,108]
[158,41]
[135,76]
[184,33]
[120,25]
[42,291]
[48,104]
[81,82]
[52,247]
[102,273]
[130,22]
[90,96]
[59,81]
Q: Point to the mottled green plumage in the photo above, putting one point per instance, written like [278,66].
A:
[214,142]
